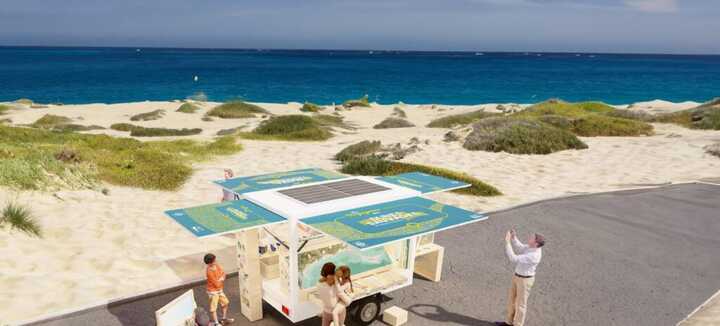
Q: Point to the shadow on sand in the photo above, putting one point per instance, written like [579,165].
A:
[439,314]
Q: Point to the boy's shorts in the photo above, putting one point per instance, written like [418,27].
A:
[216,298]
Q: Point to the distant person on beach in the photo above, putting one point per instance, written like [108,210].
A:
[227,194]
[345,287]
[526,261]
[215,283]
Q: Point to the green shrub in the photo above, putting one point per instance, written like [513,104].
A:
[372,165]
[517,136]
[29,162]
[631,115]
[50,121]
[18,217]
[228,132]
[290,127]
[705,116]
[310,107]
[71,127]
[393,123]
[363,102]
[566,109]
[188,108]
[4,109]
[462,119]
[599,125]
[122,126]
[398,112]
[587,119]
[236,110]
[24,101]
[713,149]
[327,120]
[147,116]
[162,132]
[363,148]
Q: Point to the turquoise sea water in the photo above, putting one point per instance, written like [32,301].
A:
[112,75]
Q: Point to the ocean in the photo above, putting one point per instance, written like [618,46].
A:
[113,75]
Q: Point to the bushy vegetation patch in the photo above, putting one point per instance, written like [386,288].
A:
[236,110]
[50,121]
[631,115]
[400,113]
[311,107]
[18,217]
[76,127]
[332,121]
[4,109]
[147,116]
[393,123]
[462,119]
[295,127]
[372,165]
[361,149]
[28,160]
[122,126]
[361,102]
[587,119]
[24,101]
[163,132]
[705,116]
[188,108]
[599,125]
[518,136]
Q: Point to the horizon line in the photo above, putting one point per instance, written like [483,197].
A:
[351,50]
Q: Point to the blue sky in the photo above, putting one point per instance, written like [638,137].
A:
[647,26]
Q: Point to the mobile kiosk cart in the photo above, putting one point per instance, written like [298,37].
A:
[289,224]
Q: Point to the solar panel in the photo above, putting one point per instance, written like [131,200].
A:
[332,190]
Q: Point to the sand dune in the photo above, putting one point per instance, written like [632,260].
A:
[99,247]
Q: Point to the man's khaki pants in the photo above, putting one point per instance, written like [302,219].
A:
[517,300]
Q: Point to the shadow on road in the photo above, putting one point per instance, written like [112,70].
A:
[441,315]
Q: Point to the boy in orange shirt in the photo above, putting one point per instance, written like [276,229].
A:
[215,282]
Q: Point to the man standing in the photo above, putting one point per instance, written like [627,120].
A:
[526,260]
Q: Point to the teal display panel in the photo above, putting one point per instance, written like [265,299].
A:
[423,182]
[243,185]
[376,225]
[226,217]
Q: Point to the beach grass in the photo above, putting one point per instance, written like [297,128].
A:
[392,122]
[140,131]
[587,119]
[361,102]
[520,136]
[236,110]
[50,121]
[4,109]
[706,117]
[373,165]
[363,148]
[600,125]
[398,112]
[20,218]
[29,162]
[24,101]
[295,127]
[76,127]
[188,108]
[148,116]
[462,119]
[310,107]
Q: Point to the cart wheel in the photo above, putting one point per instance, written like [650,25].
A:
[368,310]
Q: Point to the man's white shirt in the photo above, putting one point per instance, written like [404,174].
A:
[526,259]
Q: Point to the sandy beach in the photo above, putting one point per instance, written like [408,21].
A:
[100,247]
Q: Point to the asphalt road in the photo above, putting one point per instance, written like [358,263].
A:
[641,257]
